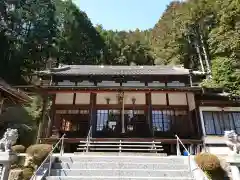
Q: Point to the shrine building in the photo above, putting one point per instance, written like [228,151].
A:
[134,103]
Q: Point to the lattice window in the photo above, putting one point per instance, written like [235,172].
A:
[216,122]
[165,120]
[107,119]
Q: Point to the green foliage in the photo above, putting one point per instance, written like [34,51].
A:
[39,152]
[27,173]
[77,41]
[34,109]
[126,48]
[224,75]
[18,148]
[18,118]
[206,30]
[197,33]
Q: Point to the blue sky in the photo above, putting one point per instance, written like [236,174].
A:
[123,14]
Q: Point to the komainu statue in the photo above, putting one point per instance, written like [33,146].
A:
[9,138]
[232,141]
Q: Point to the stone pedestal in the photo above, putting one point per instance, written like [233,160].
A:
[6,158]
[234,161]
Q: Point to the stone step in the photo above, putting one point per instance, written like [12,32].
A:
[118,142]
[130,159]
[120,172]
[116,165]
[95,148]
[119,154]
[124,145]
[115,178]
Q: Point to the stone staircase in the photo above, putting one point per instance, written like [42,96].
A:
[115,165]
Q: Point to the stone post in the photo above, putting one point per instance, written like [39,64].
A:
[6,159]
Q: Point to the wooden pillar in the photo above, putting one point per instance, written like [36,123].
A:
[149,111]
[93,113]
[190,119]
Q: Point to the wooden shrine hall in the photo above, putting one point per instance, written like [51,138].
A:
[121,102]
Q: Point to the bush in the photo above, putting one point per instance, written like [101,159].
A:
[207,161]
[27,173]
[18,149]
[39,152]
[211,165]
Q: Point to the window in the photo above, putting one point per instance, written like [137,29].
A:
[107,119]
[102,118]
[216,122]
[165,120]
[73,120]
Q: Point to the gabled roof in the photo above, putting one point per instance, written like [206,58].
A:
[16,93]
[76,70]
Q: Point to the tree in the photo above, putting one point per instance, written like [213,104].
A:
[195,32]
[78,42]
[28,29]
[125,48]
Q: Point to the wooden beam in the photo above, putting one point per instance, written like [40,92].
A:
[163,140]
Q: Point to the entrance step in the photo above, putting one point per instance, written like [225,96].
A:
[120,146]
[120,154]
[114,165]
[122,159]
[121,172]
[115,178]
[123,166]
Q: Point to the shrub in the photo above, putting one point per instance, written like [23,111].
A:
[27,173]
[207,161]
[39,152]
[211,165]
[18,149]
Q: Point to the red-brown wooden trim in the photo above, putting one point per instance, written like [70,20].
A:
[163,140]
[163,107]
[72,106]
[167,99]
[116,106]
[52,91]
[119,106]
[74,98]
[217,103]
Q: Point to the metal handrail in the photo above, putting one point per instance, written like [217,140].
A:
[179,153]
[49,156]
[88,138]
[179,140]
[189,159]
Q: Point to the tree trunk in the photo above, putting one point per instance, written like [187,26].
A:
[41,120]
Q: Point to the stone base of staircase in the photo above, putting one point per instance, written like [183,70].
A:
[125,166]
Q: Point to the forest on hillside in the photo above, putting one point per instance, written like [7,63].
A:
[200,34]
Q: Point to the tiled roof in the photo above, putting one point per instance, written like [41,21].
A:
[116,70]
[20,95]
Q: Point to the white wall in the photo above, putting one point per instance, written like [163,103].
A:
[82,98]
[158,98]
[64,98]
[177,98]
[139,97]
[101,98]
